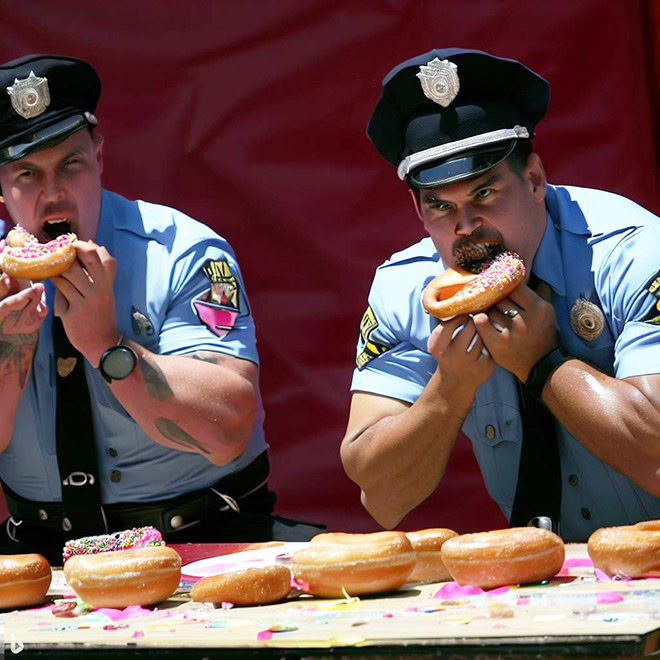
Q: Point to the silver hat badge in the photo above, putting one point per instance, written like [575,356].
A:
[439,81]
[587,319]
[30,96]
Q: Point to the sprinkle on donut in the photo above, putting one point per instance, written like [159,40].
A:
[140,537]
[496,281]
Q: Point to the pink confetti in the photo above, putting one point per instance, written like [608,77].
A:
[130,612]
[453,589]
[601,576]
[608,597]
[301,585]
[388,616]
[499,590]
[226,605]
[264,635]
[138,633]
[575,563]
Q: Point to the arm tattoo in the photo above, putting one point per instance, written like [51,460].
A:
[209,356]
[157,385]
[172,431]
[16,350]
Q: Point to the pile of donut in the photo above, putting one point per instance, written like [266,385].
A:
[135,567]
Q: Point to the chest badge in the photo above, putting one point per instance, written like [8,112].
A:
[587,319]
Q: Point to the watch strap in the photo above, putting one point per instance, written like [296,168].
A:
[541,371]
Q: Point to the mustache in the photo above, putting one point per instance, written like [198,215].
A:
[57,209]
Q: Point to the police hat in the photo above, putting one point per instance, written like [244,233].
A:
[43,99]
[452,114]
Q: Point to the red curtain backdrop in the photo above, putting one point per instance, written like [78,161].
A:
[250,116]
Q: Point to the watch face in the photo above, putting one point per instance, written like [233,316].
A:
[118,362]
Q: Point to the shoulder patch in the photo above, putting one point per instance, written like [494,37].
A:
[218,307]
[653,287]
[369,349]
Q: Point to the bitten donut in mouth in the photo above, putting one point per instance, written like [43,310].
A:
[25,258]
[487,274]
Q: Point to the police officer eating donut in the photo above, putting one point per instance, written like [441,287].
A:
[557,385]
[129,392]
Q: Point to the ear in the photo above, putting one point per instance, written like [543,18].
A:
[535,174]
[414,193]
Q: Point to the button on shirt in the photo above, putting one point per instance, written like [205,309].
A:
[160,255]
[596,246]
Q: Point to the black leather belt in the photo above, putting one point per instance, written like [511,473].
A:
[234,491]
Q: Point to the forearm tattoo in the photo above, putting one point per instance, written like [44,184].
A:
[169,429]
[154,378]
[16,350]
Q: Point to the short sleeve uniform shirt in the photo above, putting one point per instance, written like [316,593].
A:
[598,247]
[178,290]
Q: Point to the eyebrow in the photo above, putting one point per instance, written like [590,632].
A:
[431,197]
[23,163]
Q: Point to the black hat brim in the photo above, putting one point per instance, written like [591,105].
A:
[43,138]
[459,168]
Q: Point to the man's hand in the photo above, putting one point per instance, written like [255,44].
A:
[85,301]
[517,343]
[22,309]
[22,312]
[461,360]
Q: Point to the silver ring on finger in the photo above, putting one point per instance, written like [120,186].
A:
[511,313]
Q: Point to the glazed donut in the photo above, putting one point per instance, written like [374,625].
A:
[630,550]
[335,563]
[138,537]
[652,525]
[454,292]
[140,576]
[24,580]
[503,557]
[252,586]
[25,258]
[429,566]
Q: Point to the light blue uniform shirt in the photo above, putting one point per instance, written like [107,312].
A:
[159,287]
[597,246]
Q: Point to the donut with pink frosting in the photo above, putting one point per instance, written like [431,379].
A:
[138,537]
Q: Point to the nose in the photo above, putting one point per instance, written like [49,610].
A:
[467,221]
[51,190]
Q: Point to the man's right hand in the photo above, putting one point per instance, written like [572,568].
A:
[462,362]
[22,309]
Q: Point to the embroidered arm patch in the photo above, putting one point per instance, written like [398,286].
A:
[218,307]
[653,287]
[368,349]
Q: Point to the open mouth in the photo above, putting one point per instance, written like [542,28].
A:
[55,228]
[474,257]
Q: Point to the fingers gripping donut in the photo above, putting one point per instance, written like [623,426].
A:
[458,292]
[23,257]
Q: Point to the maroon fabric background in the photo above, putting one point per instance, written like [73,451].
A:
[250,117]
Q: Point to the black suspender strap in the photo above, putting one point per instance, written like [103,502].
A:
[538,492]
[76,453]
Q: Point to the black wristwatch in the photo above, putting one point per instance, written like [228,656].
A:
[541,371]
[117,362]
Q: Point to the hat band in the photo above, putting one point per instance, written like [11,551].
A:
[413,161]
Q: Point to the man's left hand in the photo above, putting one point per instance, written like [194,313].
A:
[85,301]
[518,331]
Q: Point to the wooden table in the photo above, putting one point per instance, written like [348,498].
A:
[575,614]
